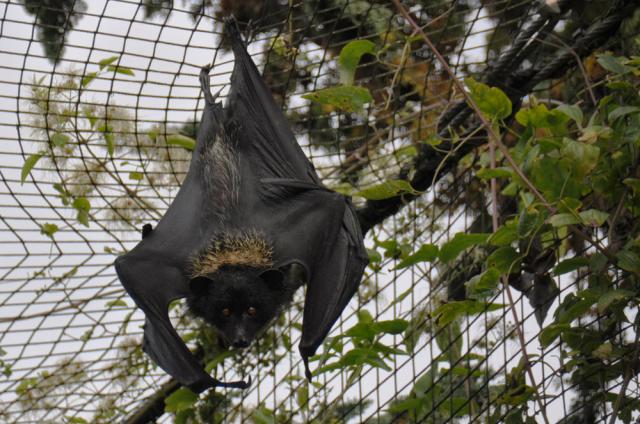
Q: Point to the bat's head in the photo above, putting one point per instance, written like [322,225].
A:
[238,301]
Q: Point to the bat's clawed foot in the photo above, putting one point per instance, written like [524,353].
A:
[205,85]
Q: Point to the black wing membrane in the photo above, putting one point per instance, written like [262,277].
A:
[335,281]
[154,272]
[269,138]
[337,258]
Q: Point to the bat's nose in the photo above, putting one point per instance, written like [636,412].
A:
[240,343]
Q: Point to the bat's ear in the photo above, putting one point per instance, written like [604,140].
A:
[274,278]
[199,285]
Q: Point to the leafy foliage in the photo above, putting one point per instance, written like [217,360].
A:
[72,126]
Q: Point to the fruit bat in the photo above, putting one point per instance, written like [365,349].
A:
[251,222]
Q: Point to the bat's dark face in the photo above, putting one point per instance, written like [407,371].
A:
[238,301]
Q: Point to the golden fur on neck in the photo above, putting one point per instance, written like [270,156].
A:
[242,248]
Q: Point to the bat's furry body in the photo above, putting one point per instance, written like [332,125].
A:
[250,224]
[247,248]
[220,170]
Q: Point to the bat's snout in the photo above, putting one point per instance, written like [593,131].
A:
[240,343]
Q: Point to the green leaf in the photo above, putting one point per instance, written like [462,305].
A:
[460,242]
[551,332]
[86,80]
[570,264]
[396,326]
[121,70]
[433,140]
[594,217]
[344,97]
[603,351]
[374,256]
[82,206]
[563,219]
[582,156]
[612,64]
[488,173]
[528,222]
[483,285]
[263,416]
[490,100]
[633,183]
[48,229]
[364,316]
[302,395]
[29,163]
[629,261]
[505,259]
[76,420]
[136,176]
[386,350]
[592,133]
[107,61]
[181,140]
[454,406]
[387,189]
[410,404]
[217,360]
[573,307]
[350,56]
[59,139]
[598,262]
[450,311]
[107,133]
[612,296]
[118,303]
[573,112]
[539,116]
[180,400]
[362,330]
[505,235]
[25,385]
[426,253]
[622,111]
[90,117]
[406,151]
[369,329]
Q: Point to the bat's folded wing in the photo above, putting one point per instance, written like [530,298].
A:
[152,285]
[337,270]
[267,139]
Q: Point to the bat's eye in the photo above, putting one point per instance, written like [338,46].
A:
[226,312]
[251,311]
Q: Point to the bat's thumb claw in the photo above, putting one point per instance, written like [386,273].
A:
[307,370]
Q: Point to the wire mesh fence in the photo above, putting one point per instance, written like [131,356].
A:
[99,105]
